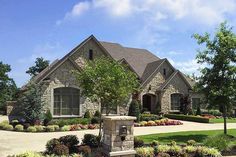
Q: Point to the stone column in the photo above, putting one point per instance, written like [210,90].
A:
[118,136]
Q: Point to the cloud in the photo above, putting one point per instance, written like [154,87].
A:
[174,53]
[188,67]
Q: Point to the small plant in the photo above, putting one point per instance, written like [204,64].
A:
[51,144]
[60,150]
[39,128]
[145,151]
[65,128]
[85,150]
[8,127]
[87,114]
[199,112]
[191,142]
[97,114]
[163,155]
[220,142]
[91,140]
[155,143]
[138,142]
[56,127]
[31,129]
[19,127]
[69,140]
[95,120]
[134,109]
[50,128]
[163,148]
[47,117]
[173,143]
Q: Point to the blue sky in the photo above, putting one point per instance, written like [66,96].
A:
[50,29]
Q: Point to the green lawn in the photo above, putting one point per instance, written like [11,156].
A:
[221,120]
[183,137]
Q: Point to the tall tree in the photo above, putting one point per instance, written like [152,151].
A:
[218,79]
[8,87]
[107,82]
[40,65]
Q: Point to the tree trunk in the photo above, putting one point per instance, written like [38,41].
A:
[225,122]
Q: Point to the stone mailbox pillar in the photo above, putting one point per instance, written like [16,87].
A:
[118,136]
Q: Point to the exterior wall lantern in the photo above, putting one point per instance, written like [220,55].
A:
[123,132]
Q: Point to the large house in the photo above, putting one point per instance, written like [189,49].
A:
[162,85]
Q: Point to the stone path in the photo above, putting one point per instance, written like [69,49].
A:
[17,142]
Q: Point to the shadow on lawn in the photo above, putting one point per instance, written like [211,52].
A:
[182,138]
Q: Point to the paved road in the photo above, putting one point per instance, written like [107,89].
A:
[16,142]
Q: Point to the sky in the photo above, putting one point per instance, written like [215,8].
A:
[50,29]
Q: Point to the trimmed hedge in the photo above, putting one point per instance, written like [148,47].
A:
[188,118]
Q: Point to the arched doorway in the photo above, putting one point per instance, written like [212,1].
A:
[148,102]
[175,101]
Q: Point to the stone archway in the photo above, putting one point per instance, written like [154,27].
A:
[149,102]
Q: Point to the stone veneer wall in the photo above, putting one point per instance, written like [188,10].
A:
[177,85]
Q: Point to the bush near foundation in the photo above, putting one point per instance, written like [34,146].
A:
[188,118]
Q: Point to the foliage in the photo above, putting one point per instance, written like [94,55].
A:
[51,144]
[198,112]
[220,142]
[47,117]
[217,80]
[31,129]
[97,113]
[19,127]
[155,143]
[71,121]
[8,127]
[85,150]
[91,140]
[138,142]
[65,128]
[8,87]
[61,149]
[95,120]
[107,81]
[87,114]
[191,142]
[50,128]
[215,112]
[39,128]
[70,141]
[31,104]
[40,65]
[188,118]
[134,109]
[145,151]
[29,154]
[148,117]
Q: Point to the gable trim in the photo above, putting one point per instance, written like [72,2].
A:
[124,60]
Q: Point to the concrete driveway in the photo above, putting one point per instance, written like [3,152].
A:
[17,142]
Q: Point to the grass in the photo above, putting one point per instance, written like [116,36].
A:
[183,137]
[221,120]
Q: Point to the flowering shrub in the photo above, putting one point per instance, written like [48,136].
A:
[158,123]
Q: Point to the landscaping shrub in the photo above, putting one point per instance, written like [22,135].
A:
[60,150]
[155,143]
[215,112]
[72,121]
[87,114]
[65,128]
[14,122]
[28,154]
[97,114]
[138,142]
[85,150]
[148,117]
[145,152]
[3,123]
[91,126]
[220,142]
[39,128]
[91,140]
[19,127]
[70,141]
[47,117]
[56,127]
[134,109]
[191,142]
[163,155]
[188,118]
[50,128]
[51,144]
[31,129]
[199,112]
[95,120]
[8,127]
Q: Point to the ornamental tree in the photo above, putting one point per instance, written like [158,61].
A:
[107,82]
[40,65]
[218,77]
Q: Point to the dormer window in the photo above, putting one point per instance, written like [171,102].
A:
[164,72]
[90,54]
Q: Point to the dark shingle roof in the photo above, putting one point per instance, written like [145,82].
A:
[137,58]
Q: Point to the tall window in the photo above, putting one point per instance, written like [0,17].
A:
[66,101]
[90,54]
[175,101]
[164,72]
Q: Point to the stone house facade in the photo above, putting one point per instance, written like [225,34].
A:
[162,85]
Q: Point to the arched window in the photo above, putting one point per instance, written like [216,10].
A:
[175,101]
[66,101]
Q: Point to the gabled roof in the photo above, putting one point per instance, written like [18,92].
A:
[173,75]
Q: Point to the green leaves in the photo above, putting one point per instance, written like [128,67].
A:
[40,65]
[107,81]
